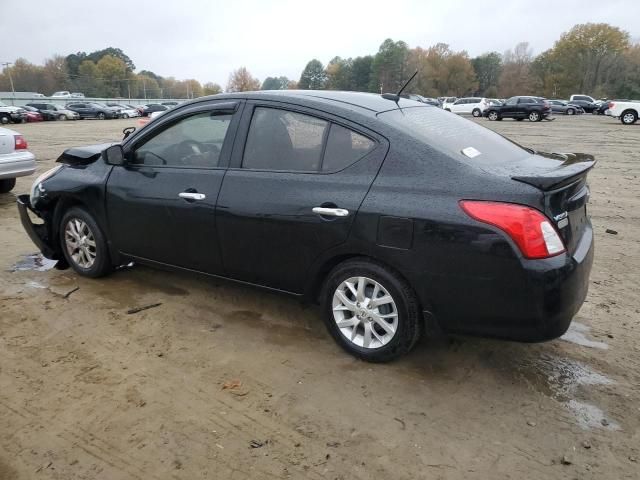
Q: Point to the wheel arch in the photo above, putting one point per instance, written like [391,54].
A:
[315,287]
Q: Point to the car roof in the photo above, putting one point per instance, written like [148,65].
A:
[371,103]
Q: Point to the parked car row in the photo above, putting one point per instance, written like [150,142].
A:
[43,111]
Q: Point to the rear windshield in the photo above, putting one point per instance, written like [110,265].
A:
[452,134]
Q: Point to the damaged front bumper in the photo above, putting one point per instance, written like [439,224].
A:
[39,233]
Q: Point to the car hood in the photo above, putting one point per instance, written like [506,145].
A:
[83,155]
[11,109]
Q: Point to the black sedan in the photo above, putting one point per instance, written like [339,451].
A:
[153,107]
[395,216]
[93,110]
[565,108]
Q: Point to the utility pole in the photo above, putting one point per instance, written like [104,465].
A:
[144,88]
[13,92]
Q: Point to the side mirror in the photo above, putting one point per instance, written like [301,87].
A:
[114,155]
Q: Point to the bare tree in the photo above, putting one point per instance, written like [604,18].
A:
[241,81]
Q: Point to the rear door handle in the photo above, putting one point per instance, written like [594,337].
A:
[192,196]
[331,212]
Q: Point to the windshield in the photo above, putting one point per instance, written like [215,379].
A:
[454,135]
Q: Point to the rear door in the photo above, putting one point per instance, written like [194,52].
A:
[297,179]
[7,142]
[161,204]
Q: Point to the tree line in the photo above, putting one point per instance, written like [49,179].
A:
[593,58]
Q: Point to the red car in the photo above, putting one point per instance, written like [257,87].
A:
[33,115]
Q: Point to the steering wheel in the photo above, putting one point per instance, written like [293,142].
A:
[188,148]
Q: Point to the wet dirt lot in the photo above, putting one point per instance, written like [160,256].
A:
[224,381]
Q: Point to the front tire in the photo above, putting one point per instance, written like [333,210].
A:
[83,244]
[628,117]
[371,311]
[7,184]
[571,111]
[62,118]
[101,116]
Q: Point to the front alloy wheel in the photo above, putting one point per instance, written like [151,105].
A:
[365,312]
[83,244]
[80,243]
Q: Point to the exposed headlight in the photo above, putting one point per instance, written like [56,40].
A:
[37,189]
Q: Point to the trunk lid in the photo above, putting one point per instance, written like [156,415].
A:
[562,178]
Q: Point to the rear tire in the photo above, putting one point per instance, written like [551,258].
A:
[476,112]
[7,184]
[101,116]
[125,115]
[534,117]
[518,119]
[391,329]
[628,117]
[493,116]
[4,119]
[83,244]
[62,118]
[571,111]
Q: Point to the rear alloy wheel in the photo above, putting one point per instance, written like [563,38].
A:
[7,184]
[4,119]
[492,116]
[476,112]
[571,111]
[371,311]
[101,116]
[629,117]
[534,117]
[83,243]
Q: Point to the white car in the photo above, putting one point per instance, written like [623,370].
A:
[447,102]
[61,94]
[580,96]
[628,112]
[125,110]
[15,159]
[473,105]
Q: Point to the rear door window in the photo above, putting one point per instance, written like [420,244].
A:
[344,148]
[283,140]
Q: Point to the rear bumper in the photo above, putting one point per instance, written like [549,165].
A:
[534,303]
[17,164]
[38,233]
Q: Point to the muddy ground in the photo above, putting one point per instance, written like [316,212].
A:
[88,391]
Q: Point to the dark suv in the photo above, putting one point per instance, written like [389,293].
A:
[519,108]
[389,213]
[93,110]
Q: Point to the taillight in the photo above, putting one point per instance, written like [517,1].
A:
[611,105]
[527,227]
[21,143]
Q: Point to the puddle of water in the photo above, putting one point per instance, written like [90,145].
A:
[34,262]
[577,334]
[32,284]
[561,377]
[590,416]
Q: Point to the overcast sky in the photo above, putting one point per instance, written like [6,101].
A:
[206,39]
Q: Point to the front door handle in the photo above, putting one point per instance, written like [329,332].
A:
[331,212]
[192,196]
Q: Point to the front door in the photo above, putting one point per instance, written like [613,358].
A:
[296,184]
[161,203]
